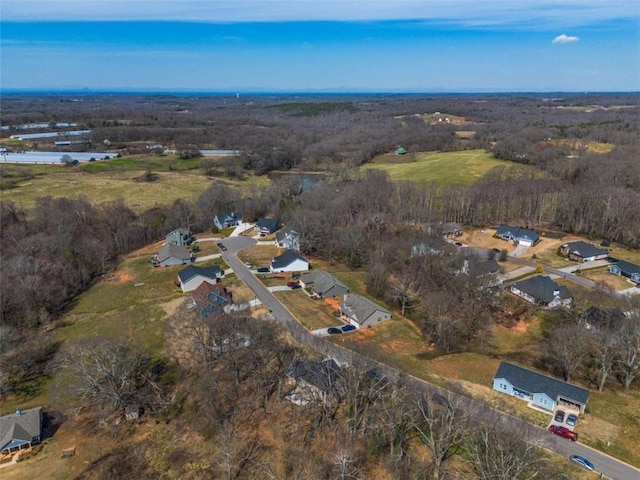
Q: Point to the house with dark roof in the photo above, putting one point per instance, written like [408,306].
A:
[266,226]
[209,299]
[359,311]
[521,236]
[323,284]
[539,390]
[289,239]
[226,220]
[169,255]
[543,291]
[181,237]
[313,382]
[289,261]
[626,269]
[191,277]
[583,252]
[20,430]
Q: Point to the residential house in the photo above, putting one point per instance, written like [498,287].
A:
[323,284]
[289,261]
[181,237]
[289,239]
[266,226]
[540,390]
[626,269]
[209,299]
[20,430]
[583,252]
[521,236]
[314,382]
[362,312]
[541,290]
[192,277]
[226,220]
[169,255]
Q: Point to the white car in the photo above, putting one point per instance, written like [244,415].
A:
[248,265]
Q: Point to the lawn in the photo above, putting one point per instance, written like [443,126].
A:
[312,313]
[259,255]
[602,275]
[464,167]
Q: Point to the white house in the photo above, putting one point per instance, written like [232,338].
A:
[289,261]
[289,239]
[521,236]
[192,277]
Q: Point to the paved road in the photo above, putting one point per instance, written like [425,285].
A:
[609,466]
[555,271]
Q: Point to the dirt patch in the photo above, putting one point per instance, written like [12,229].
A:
[334,303]
[521,327]
[120,276]
[171,306]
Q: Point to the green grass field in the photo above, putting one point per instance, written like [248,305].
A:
[106,181]
[463,167]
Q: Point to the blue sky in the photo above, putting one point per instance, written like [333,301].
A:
[330,45]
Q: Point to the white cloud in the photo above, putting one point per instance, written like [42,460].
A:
[565,39]
[524,13]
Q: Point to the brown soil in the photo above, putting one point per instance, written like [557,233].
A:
[521,327]
[120,276]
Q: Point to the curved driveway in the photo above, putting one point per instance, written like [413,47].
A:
[608,466]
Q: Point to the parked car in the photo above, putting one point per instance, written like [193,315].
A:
[220,244]
[564,432]
[293,285]
[223,248]
[248,265]
[348,328]
[263,270]
[571,420]
[457,244]
[559,416]
[496,250]
[333,330]
[583,462]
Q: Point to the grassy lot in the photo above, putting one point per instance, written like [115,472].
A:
[602,275]
[106,181]
[465,167]
[592,146]
[259,255]
[312,313]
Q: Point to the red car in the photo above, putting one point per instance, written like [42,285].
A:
[293,285]
[564,432]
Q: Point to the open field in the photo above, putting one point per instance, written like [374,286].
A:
[464,167]
[107,181]
[591,146]
[312,313]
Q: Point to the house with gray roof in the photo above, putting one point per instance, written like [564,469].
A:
[359,311]
[20,430]
[169,255]
[289,261]
[288,238]
[180,236]
[314,381]
[191,277]
[226,220]
[266,226]
[543,291]
[323,284]
[539,390]
[626,269]
[583,252]
[521,236]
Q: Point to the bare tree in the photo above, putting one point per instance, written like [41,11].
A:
[628,358]
[495,455]
[442,428]
[567,349]
[603,355]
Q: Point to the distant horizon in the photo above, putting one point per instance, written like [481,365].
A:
[334,46]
